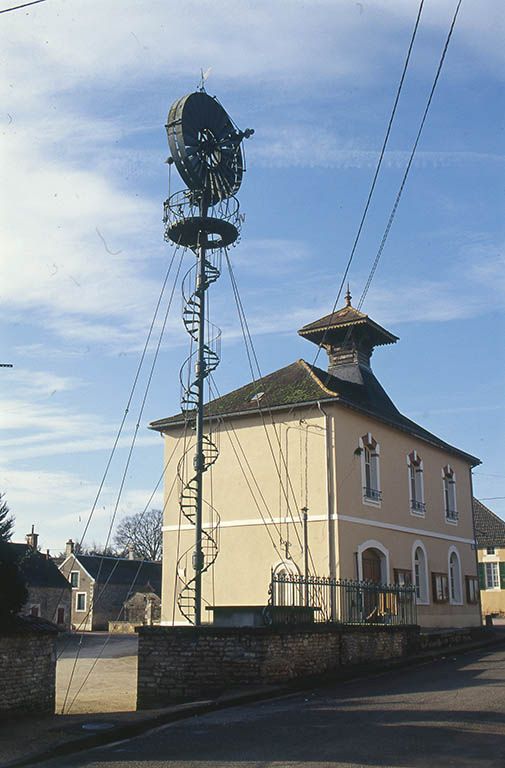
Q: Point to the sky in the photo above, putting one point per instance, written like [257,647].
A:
[86,89]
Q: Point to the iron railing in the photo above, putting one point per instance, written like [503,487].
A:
[417,506]
[344,601]
[372,493]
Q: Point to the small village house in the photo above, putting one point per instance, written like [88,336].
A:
[101,586]
[385,500]
[490,538]
[48,591]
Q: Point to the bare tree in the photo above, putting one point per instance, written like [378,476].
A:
[142,534]
[6,521]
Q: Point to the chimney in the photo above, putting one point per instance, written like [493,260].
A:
[69,548]
[32,538]
[131,552]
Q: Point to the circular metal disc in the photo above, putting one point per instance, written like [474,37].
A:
[205,146]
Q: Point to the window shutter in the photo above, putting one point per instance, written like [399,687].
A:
[482,576]
[502,575]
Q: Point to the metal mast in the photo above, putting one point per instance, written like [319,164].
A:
[205,146]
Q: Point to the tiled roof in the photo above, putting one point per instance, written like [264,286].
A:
[37,569]
[301,383]
[118,570]
[489,528]
[341,320]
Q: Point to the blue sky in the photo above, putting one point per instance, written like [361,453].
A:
[87,87]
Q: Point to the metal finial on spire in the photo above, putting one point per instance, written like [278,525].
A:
[348,297]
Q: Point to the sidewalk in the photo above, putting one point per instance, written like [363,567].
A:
[30,740]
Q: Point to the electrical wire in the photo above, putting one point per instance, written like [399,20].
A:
[376,174]
[24,5]
[125,414]
[94,602]
[411,158]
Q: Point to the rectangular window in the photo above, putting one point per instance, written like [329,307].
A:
[451,513]
[74,579]
[80,601]
[440,585]
[492,576]
[490,551]
[370,469]
[472,589]
[35,610]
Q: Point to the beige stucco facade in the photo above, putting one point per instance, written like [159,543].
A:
[492,580]
[274,463]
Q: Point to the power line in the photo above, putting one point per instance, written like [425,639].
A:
[127,408]
[94,602]
[25,5]
[376,174]
[411,158]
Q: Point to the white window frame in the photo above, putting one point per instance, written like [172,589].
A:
[449,482]
[495,569]
[77,595]
[421,599]
[455,579]
[77,573]
[415,477]
[368,443]
[291,592]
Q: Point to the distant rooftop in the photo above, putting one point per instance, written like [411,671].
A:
[489,528]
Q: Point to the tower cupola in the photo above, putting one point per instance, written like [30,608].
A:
[349,338]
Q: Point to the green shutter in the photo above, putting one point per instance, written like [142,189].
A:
[482,576]
[502,575]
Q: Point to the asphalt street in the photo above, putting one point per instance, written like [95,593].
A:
[449,712]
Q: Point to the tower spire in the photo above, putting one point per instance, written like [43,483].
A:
[348,297]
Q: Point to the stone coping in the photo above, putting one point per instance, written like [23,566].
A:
[211,629]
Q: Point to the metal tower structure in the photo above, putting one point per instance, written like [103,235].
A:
[205,146]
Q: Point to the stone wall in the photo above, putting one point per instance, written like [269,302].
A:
[183,663]
[27,669]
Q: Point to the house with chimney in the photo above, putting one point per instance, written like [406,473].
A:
[48,590]
[102,585]
[320,474]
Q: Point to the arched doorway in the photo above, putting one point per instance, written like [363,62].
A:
[374,568]
[371,563]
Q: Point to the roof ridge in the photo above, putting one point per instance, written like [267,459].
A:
[309,368]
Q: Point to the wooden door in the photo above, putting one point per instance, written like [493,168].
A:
[371,573]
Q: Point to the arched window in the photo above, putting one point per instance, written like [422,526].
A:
[370,470]
[287,584]
[455,590]
[416,484]
[420,572]
[449,481]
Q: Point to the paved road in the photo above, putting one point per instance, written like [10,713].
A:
[449,712]
[93,643]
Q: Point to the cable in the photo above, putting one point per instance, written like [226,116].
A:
[376,174]
[248,341]
[95,600]
[126,411]
[25,5]
[411,158]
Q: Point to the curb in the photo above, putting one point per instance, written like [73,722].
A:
[192,709]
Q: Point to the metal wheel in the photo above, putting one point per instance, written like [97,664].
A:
[205,146]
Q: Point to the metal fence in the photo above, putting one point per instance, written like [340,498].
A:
[343,601]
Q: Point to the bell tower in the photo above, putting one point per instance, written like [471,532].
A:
[349,338]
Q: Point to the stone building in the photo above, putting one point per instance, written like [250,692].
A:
[48,590]
[102,585]
[490,538]
[385,500]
